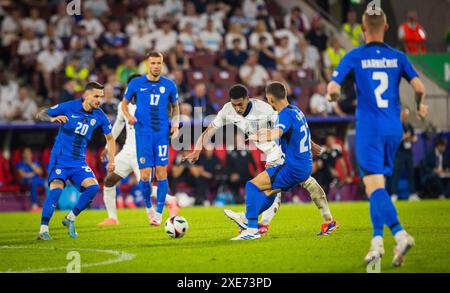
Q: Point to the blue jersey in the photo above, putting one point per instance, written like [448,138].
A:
[295,141]
[378,70]
[152,103]
[73,136]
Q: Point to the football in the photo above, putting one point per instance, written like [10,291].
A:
[176,226]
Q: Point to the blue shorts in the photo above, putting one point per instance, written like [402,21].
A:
[75,174]
[285,177]
[152,149]
[376,153]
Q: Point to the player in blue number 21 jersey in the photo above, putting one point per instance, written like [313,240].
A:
[154,94]
[79,118]
[378,69]
[292,129]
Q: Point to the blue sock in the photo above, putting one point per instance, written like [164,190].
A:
[267,203]
[386,210]
[50,205]
[254,200]
[163,188]
[146,188]
[377,221]
[85,199]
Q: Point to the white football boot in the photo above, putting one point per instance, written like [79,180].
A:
[376,251]
[404,243]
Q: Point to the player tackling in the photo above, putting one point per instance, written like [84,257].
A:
[79,118]
[126,162]
[378,70]
[249,115]
[155,95]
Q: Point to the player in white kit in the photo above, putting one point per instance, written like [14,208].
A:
[126,162]
[250,115]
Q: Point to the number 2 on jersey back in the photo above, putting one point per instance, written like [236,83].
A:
[305,143]
[381,88]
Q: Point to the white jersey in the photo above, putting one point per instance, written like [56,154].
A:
[260,116]
[120,123]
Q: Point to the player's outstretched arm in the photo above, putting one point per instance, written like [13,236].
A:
[266,135]
[111,149]
[333,91]
[43,115]
[130,118]
[192,157]
[419,91]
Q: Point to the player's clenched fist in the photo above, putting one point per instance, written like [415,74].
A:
[315,149]
[191,157]
[422,111]
[60,119]
[132,120]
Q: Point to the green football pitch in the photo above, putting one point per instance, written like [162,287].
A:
[291,245]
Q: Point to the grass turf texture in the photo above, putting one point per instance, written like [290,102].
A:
[291,246]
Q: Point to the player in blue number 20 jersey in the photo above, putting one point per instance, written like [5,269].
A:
[292,129]
[154,94]
[79,118]
[377,70]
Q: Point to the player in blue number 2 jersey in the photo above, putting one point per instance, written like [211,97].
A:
[155,95]
[292,130]
[378,69]
[79,118]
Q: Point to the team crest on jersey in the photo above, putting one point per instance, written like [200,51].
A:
[142,160]
[162,90]
[58,171]
[93,122]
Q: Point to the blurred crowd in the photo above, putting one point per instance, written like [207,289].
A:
[47,55]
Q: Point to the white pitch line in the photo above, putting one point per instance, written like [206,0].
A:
[121,256]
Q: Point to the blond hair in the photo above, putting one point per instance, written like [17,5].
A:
[374,19]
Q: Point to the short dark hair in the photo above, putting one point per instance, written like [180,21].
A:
[94,85]
[238,91]
[131,77]
[441,141]
[154,54]
[276,89]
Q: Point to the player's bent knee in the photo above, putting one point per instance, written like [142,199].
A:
[145,174]
[111,180]
[89,182]
[161,172]
[57,183]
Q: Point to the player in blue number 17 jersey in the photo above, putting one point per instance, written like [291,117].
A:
[378,70]
[292,129]
[155,95]
[79,118]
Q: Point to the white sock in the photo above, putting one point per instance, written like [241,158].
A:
[150,210]
[377,241]
[400,235]
[268,214]
[252,230]
[109,197]
[154,191]
[44,228]
[319,198]
[169,198]
[71,216]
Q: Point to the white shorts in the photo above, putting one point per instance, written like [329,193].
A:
[126,162]
[274,158]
